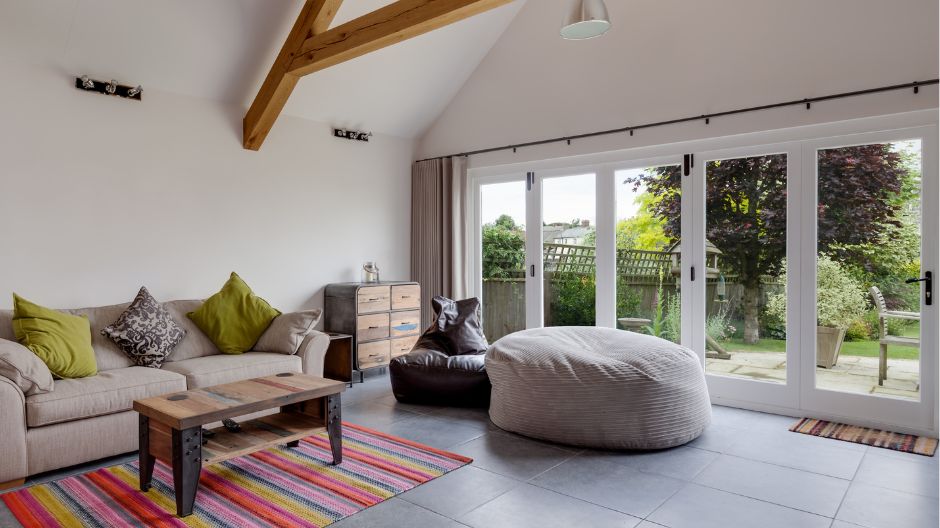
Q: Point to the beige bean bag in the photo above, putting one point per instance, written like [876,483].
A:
[597,387]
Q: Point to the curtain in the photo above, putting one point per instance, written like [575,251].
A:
[440,241]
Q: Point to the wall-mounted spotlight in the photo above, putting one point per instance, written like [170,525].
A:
[352,134]
[109,88]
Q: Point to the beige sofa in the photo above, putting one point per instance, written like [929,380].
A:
[90,418]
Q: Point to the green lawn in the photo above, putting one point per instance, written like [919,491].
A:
[849,348]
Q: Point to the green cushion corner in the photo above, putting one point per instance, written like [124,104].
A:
[234,318]
[62,341]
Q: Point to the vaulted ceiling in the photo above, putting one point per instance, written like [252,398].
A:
[222,49]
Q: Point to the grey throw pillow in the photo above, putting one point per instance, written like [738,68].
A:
[287,332]
[145,331]
[24,368]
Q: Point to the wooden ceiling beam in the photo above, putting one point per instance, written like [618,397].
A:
[311,46]
[315,18]
[383,27]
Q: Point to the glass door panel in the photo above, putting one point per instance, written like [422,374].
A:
[745,319]
[502,219]
[868,219]
[647,236]
[569,240]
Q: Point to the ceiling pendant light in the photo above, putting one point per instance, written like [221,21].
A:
[586,19]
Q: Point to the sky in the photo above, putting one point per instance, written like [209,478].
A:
[563,199]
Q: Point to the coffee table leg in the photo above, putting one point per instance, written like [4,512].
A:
[334,426]
[295,443]
[187,463]
[145,458]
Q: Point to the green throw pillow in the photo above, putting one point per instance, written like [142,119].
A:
[234,318]
[62,341]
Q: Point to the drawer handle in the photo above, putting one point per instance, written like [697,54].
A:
[374,327]
[405,296]
[375,299]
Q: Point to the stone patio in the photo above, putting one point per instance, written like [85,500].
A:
[851,373]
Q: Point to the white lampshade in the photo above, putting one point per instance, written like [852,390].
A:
[586,19]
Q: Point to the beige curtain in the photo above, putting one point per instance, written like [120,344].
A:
[440,241]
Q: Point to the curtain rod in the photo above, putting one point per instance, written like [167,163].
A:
[707,117]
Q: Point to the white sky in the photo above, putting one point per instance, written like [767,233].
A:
[563,198]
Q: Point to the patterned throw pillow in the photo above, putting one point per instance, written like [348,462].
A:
[145,331]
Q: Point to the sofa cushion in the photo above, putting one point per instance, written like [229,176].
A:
[196,344]
[108,392]
[107,354]
[19,365]
[145,331]
[288,331]
[62,341]
[224,368]
[234,318]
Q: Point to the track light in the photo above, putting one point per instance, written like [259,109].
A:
[109,88]
[352,134]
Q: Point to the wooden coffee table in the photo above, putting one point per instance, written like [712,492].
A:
[171,425]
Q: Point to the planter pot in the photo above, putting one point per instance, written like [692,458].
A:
[828,345]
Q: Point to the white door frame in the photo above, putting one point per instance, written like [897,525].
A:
[896,413]
[737,390]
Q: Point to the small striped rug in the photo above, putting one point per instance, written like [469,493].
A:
[921,445]
[279,487]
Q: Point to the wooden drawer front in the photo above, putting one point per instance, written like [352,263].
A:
[375,354]
[373,299]
[406,296]
[370,327]
[403,345]
[405,323]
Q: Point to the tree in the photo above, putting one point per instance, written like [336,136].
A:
[503,249]
[746,206]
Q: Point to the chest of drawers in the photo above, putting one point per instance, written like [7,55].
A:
[383,318]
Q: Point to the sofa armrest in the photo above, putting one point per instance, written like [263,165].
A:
[12,432]
[312,352]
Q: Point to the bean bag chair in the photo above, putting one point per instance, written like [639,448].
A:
[597,387]
[446,366]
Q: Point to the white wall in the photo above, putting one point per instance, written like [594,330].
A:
[100,195]
[666,59]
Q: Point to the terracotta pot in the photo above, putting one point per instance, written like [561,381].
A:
[828,345]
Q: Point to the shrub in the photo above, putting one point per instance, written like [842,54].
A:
[572,302]
[718,326]
[858,330]
[840,299]
[672,329]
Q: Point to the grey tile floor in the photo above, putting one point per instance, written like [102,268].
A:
[746,470]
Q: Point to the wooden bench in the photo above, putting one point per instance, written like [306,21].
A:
[884,338]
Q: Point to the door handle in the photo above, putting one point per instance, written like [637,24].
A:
[927,279]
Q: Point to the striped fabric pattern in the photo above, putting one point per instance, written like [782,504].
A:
[921,445]
[279,487]
[597,387]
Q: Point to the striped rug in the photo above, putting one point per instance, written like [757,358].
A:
[921,445]
[279,487]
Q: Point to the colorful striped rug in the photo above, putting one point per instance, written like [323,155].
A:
[921,445]
[279,487]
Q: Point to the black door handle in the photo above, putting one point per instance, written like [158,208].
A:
[927,279]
